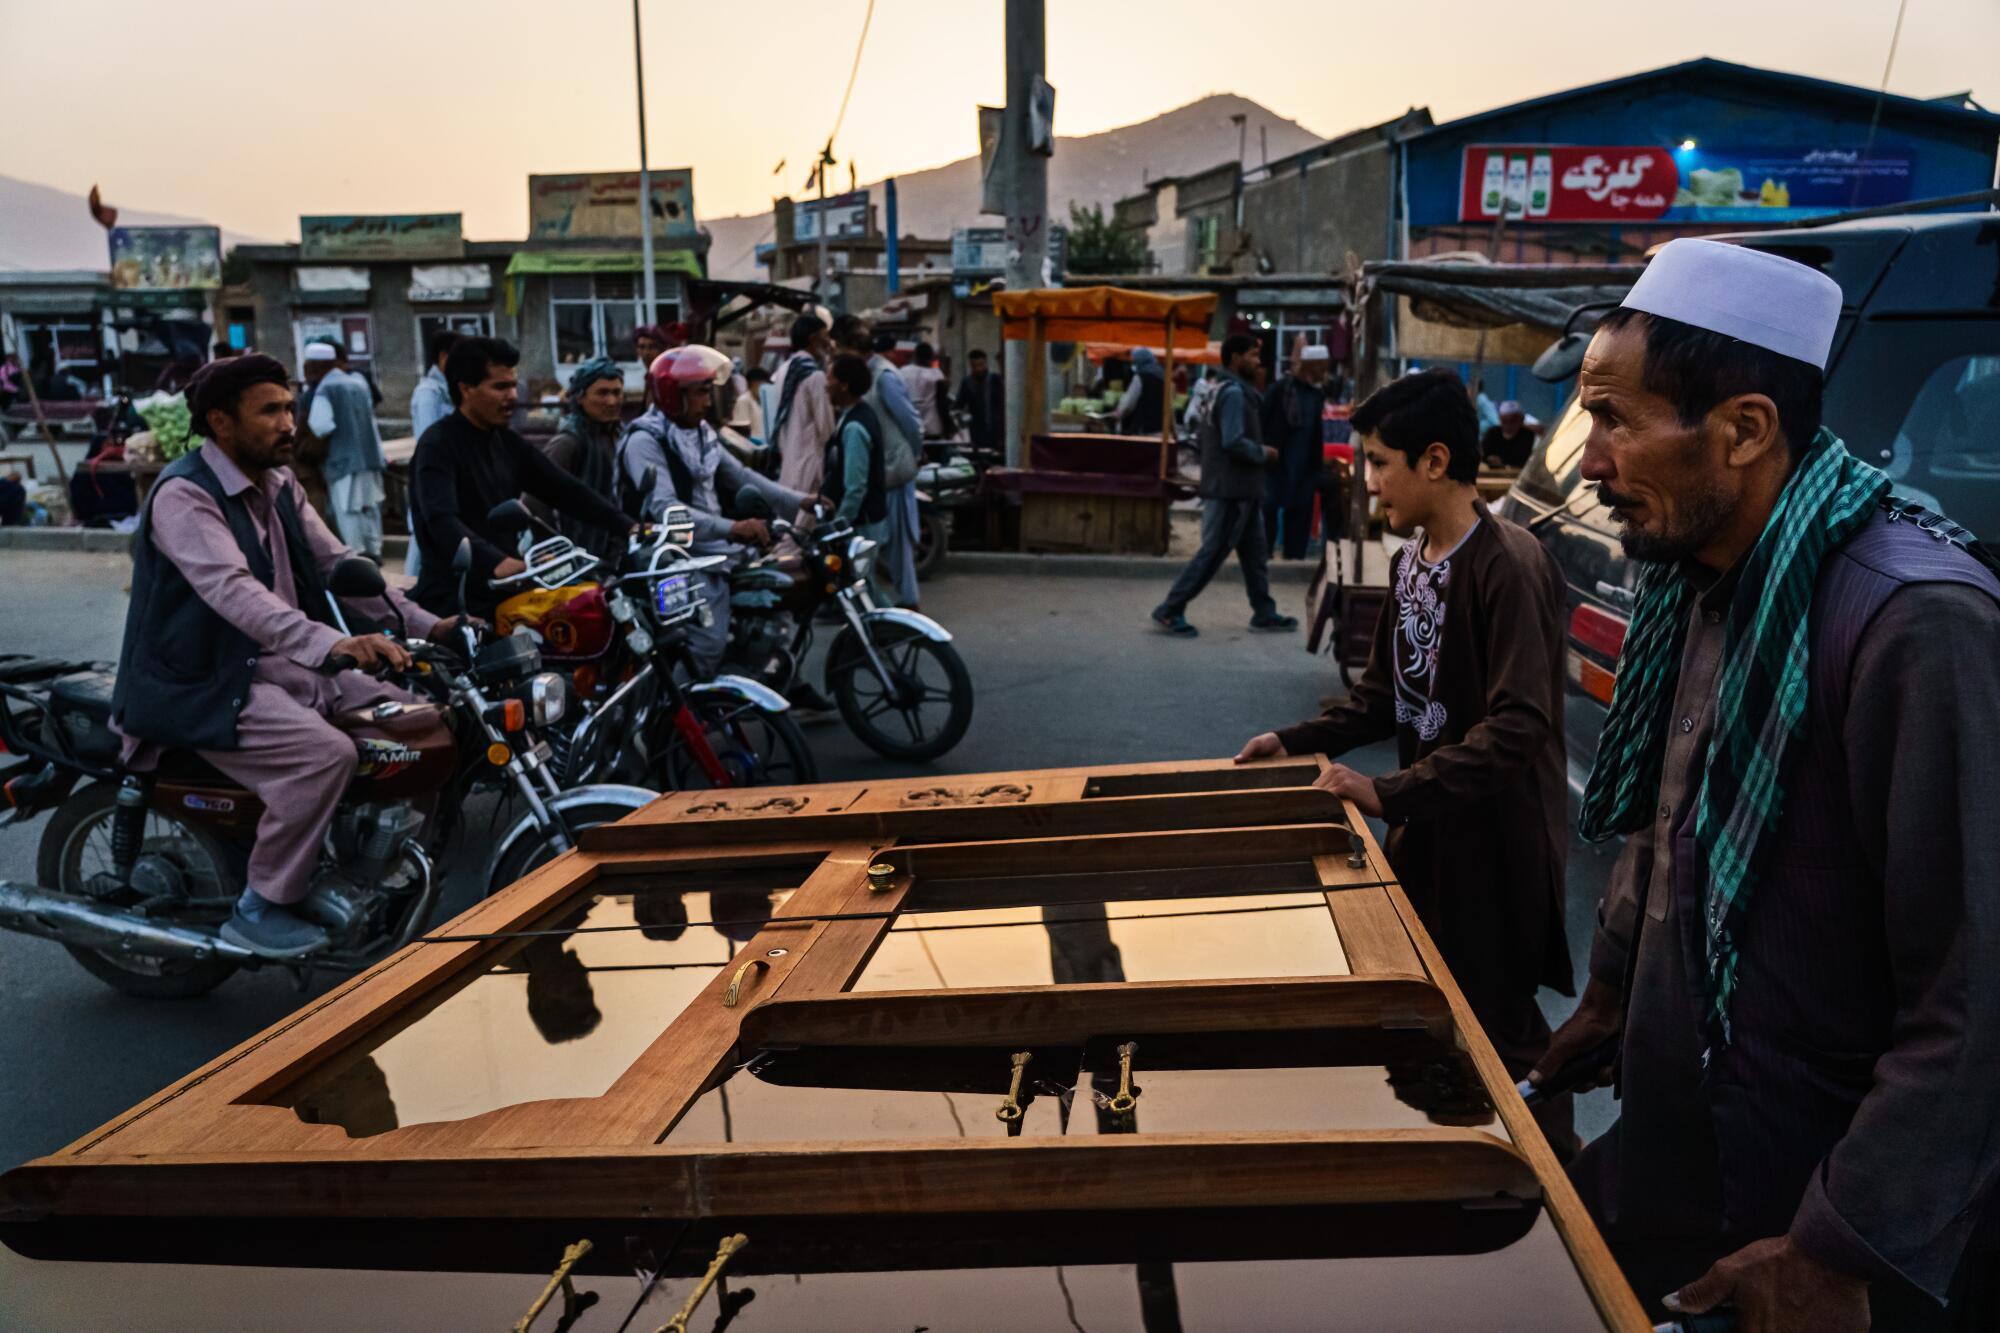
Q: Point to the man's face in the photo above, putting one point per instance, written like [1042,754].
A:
[1511,422]
[315,371]
[821,347]
[262,433]
[489,404]
[837,393]
[649,350]
[1665,483]
[604,401]
[1245,366]
[1405,491]
[695,402]
[1313,372]
[978,364]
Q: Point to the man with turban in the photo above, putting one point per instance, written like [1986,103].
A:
[586,447]
[1794,958]
[228,637]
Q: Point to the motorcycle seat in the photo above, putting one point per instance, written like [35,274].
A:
[185,768]
[81,703]
[18,668]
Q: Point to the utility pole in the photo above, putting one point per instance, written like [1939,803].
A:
[645,179]
[820,283]
[1027,185]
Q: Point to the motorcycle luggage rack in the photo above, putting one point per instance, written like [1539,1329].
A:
[555,562]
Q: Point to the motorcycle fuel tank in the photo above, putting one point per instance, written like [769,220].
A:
[406,750]
[571,624]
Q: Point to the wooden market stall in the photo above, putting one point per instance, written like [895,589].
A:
[1162,1045]
[1097,493]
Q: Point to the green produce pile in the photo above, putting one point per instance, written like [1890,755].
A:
[166,415]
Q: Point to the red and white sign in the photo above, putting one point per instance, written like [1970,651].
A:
[1566,183]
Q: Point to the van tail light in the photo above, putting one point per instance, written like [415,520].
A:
[1603,633]
[1598,630]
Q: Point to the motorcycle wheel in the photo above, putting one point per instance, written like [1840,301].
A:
[933,541]
[534,853]
[756,747]
[927,710]
[76,845]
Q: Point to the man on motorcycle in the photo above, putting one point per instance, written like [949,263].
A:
[230,633]
[673,455]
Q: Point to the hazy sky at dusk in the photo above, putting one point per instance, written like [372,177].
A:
[249,114]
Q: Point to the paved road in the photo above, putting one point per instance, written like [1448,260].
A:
[1067,672]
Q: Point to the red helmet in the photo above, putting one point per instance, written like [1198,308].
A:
[681,368]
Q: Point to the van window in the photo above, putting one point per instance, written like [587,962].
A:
[1554,469]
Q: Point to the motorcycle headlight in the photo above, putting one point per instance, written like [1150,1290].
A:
[548,698]
[861,555]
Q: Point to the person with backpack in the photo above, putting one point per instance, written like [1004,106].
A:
[902,437]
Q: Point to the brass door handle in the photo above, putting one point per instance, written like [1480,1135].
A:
[1126,1099]
[736,982]
[1010,1110]
[729,1246]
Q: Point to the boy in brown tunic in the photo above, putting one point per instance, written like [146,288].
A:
[1466,674]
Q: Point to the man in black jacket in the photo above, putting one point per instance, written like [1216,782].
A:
[1233,459]
[981,402]
[471,461]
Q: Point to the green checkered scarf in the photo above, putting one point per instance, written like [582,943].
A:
[1760,706]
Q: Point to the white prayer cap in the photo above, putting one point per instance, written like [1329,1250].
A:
[321,352]
[1314,352]
[1750,295]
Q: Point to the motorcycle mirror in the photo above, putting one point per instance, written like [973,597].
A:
[356,576]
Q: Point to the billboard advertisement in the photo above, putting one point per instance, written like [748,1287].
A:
[604,206]
[151,259]
[345,238]
[845,214]
[1657,183]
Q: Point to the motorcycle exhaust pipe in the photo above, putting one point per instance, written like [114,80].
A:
[92,925]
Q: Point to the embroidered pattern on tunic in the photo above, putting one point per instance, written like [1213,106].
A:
[1420,599]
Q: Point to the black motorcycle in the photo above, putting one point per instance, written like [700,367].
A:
[895,675]
[138,871]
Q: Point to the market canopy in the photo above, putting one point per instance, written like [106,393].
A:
[1211,355]
[1106,315]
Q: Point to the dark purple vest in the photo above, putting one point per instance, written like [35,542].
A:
[1814,999]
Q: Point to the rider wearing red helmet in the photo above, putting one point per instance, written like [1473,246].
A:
[674,455]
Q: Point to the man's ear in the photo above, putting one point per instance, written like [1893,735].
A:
[1750,429]
[1437,461]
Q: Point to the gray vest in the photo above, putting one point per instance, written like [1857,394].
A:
[1814,997]
[355,445]
[184,671]
[1225,475]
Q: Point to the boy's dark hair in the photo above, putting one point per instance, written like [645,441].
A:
[976,354]
[756,374]
[924,355]
[1694,369]
[440,344]
[471,358]
[804,329]
[1235,345]
[851,332]
[1415,412]
[885,343]
[853,372]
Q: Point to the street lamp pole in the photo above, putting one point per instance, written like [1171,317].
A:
[645,177]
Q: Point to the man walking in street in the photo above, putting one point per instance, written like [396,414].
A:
[1794,958]
[343,417]
[924,382]
[1466,673]
[1294,413]
[430,401]
[1233,460]
[804,418]
[981,403]
[902,441]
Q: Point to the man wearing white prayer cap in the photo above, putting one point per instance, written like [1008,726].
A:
[1794,979]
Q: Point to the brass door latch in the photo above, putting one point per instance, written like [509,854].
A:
[1010,1110]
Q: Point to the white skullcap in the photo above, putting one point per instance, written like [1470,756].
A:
[1314,352]
[321,352]
[1750,295]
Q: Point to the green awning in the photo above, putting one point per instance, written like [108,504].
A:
[528,262]
[543,263]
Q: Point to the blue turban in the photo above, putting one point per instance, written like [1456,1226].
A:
[591,371]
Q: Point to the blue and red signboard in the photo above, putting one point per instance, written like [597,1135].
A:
[1690,183]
